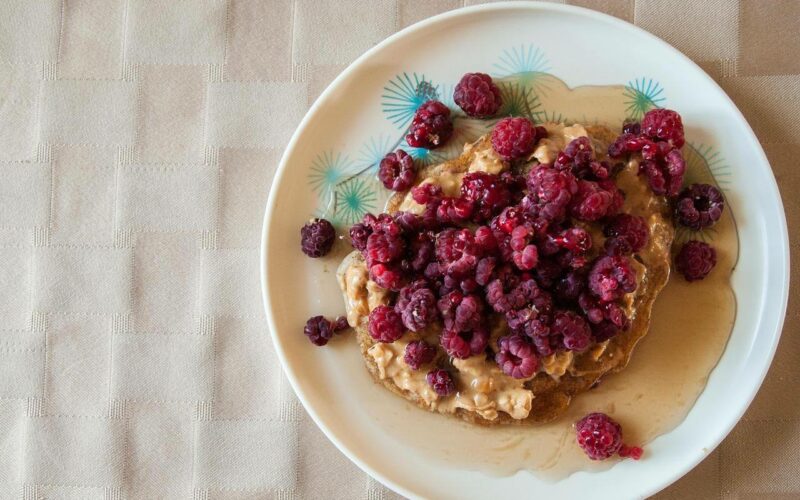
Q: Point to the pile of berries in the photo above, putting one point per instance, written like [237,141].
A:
[515,245]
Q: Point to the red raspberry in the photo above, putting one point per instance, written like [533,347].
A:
[463,344]
[611,277]
[441,381]
[665,125]
[416,305]
[489,193]
[358,236]
[573,329]
[695,260]
[699,206]
[626,234]
[431,126]
[396,171]
[551,190]
[514,138]
[575,239]
[384,248]
[319,330]
[385,324]
[387,276]
[516,357]
[631,127]
[317,237]
[454,211]
[595,200]
[422,251]
[425,193]
[527,258]
[599,436]
[418,353]
[477,95]
[461,312]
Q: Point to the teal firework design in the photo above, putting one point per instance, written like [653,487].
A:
[352,199]
[327,170]
[527,63]
[372,152]
[519,100]
[642,95]
[403,95]
[422,156]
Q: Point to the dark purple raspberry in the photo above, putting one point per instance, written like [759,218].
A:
[359,234]
[463,344]
[611,277]
[454,211]
[603,331]
[484,270]
[416,305]
[630,127]
[397,171]
[514,138]
[461,312]
[527,258]
[626,234]
[319,330]
[340,323]
[595,200]
[599,436]
[385,324]
[571,285]
[699,206]
[386,276]
[665,125]
[425,193]
[441,381]
[431,126]
[418,353]
[597,312]
[485,241]
[575,239]
[489,193]
[551,190]
[573,329]
[317,237]
[619,147]
[695,260]
[477,95]
[422,251]
[516,357]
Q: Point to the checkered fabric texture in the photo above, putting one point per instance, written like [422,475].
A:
[138,140]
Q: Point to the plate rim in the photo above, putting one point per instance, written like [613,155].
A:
[782,265]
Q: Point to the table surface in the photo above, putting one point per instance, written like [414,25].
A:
[138,139]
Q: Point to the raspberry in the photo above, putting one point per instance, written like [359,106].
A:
[425,193]
[456,252]
[359,234]
[386,276]
[477,95]
[514,138]
[599,436]
[611,277]
[484,270]
[487,191]
[571,285]
[485,241]
[516,357]
[695,260]
[464,344]
[441,381]
[454,211]
[418,353]
[699,206]
[595,200]
[603,331]
[630,127]
[319,330]
[575,239]
[545,343]
[317,237]
[396,171]
[385,324]
[384,248]
[574,330]
[461,312]
[619,147]
[551,190]
[598,313]
[431,126]
[416,305]
[578,152]
[527,258]
[626,234]
[422,251]
[407,221]
[665,125]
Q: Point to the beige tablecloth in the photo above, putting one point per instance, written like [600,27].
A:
[138,139]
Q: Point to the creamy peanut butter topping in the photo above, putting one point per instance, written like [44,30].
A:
[482,387]
[450,182]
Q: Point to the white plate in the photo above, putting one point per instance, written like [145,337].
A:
[360,117]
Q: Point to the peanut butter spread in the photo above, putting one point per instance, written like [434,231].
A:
[482,388]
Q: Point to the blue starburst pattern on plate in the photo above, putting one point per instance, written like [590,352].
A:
[372,152]
[352,199]
[403,95]
[523,59]
[327,170]
[642,95]
[520,100]
[422,156]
